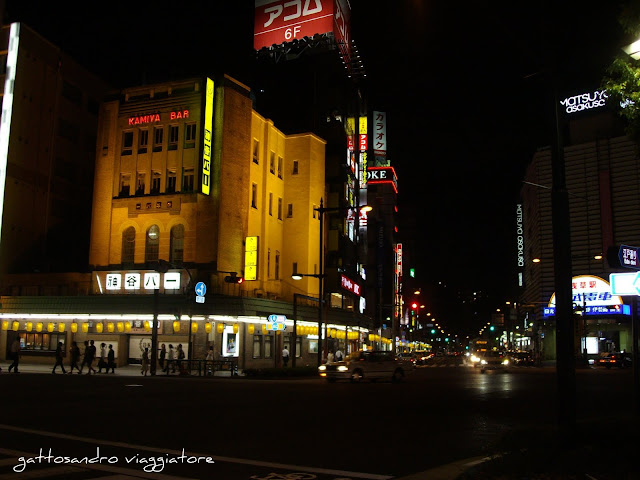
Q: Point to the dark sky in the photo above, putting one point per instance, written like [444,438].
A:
[464,112]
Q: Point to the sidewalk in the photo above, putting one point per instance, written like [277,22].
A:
[125,371]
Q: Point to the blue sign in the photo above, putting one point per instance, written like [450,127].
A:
[628,257]
[596,310]
[201,289]
[277,318]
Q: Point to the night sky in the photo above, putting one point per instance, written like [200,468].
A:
[466,88]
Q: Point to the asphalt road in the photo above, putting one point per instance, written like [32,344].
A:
[278,429]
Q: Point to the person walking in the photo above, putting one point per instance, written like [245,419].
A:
[208,361]
[14,353]
[163,355]
[181,355]
[111,360]
[339,356]
[59,357]
[330,357]
[145,361]
[89,356]
[285,357]
[86,356]
[102,362]
[170,360]
[74,354]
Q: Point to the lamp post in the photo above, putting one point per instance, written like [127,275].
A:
[162,266]
[320,276]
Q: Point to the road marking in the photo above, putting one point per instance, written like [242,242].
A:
[242,461]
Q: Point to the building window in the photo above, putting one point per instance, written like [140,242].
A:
[151,247]
[171,181]
[256,149]
[155,182]
[257,346]
[313,346]
[279,209]
[176,253]
[127,143]
[270,203]
[313,211]
[125,185]
[128,247]
[295,167]
[289,210]
[279,167]
[140,183]
[158,134]
[187,179]
[143,140]
[173,137]
[190,135]
[268,262]
[268,346]
[40,341]
[277,272]
[294,268]
[254,195]
[272,163]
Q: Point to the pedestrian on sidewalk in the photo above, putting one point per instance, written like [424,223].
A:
[59,357]
[208,361]
[14,355]
[181,369]
[85,356]
[170,360]
[145,361]
[102,362]
[75,357]
[111,360]
[89,356]
[285,357]
[163,355]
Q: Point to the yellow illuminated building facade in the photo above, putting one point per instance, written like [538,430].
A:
[150,201]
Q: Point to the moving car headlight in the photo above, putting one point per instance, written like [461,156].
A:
[343,368]
[474,358]
[483,362]
[322,368]
[505,362]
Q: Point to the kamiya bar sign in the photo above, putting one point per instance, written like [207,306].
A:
[347,284]
[155,117]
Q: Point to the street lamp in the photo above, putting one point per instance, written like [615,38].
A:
[320,276]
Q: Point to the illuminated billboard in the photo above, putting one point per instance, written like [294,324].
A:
[281,21]
[207,138]
[377,175]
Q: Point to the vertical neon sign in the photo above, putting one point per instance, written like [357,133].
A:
[7,109]
[207,138]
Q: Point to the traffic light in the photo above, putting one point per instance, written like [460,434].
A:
[414,305]
[433,331]
[492,328]
[233,279]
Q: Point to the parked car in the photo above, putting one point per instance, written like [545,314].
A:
[371,365]
[491,360]
[422,356]
[615,359]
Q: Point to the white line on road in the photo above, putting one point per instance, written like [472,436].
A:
[242,461]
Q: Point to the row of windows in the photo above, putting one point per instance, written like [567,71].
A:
[152,242]
[254,203]
[188,175]
[190,130]
[263,346]
[272,160]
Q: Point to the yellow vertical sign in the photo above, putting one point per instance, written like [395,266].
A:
[207,138]
[251,258]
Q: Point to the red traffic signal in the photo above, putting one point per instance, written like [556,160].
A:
[233,279]
[414,305]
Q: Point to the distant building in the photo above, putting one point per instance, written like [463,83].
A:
[602,180]
[47,149]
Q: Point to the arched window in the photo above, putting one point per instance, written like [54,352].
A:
[128,247]
[151,247]
[176,254]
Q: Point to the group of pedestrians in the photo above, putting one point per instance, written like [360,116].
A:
[169,359]
[106,360]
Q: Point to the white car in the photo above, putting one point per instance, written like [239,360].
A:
[491,360]
[370,365]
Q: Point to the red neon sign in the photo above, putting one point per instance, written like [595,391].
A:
[348,284]
[155,117]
